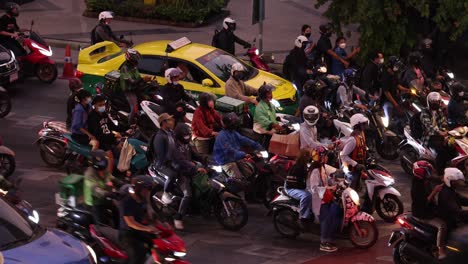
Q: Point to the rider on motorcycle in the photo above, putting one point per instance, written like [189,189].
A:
[103,32]
[423,203]
[354,153]
[434,125]
[308,132]
[450,202]
[323,206]
[184,162]
[206,123]
[9,29]
[103,129]
[129,79]
[79,126]
[227,150]
[296,183]
[75,86]
[236,88]
[132,232]
[265,114]
[345,92]
[174,95]
[456,106]
[97,186]
[313,95]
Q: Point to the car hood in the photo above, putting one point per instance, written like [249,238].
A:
[5,55]
[284,88]
[53,247]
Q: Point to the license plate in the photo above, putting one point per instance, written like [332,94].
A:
[393,237]
[14,77]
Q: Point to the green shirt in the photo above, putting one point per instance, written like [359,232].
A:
[265,115]
[128,74]
[95,188]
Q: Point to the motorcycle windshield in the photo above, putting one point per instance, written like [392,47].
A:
[37,38]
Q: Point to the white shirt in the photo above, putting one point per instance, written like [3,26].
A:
[345,95]
[317,184]
[308,136]
[348,148]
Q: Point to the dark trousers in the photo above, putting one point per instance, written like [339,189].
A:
[134,244]
[329,221]
[444,153]
[171,176]
[14,46]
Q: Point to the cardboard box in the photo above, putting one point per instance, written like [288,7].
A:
[286,145]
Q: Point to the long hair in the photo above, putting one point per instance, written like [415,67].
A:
[304,157]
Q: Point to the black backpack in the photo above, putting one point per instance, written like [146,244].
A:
[287,67]
[94,39]
[215,39]
[416,126]
[150,155]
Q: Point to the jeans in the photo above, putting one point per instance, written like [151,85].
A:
[171,176]
[305,201]
[185,184]
[329,221]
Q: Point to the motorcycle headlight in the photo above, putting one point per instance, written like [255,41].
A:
[446,102]
[45,52]
[218,169]
[450,75]
[385,121]
[34,217]
[180,254]
[354,196]
[257,52]
[275,103]
[264,154]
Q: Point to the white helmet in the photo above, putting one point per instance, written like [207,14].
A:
[237,67]
[452,174]
[311,115]
[433,98]
[106,14]
[357,119]
[229,22]
[299,40]
[171,73]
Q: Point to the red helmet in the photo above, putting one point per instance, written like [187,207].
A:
[75,84]
[422,169]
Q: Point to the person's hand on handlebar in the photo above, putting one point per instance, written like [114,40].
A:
[247,156]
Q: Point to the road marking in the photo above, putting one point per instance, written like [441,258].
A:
[30,122]
[262,251]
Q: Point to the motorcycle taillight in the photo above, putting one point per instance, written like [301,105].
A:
[404,224]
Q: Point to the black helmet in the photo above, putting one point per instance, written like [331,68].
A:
[82,94]
[141,182]
[230,121]
[183,133]
[264,90]
[99,159]
[456,88]
[10,6]
[395,63]
[314,88]
[414,58]
[325,28]
[204,98]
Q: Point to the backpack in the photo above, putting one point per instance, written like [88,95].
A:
[416,126]
[215,39]
[94,39]
[150,155]
[287,67]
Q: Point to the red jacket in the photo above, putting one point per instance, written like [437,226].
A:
[204,122]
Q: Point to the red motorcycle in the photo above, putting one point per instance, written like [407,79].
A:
[37,62]
[257,60]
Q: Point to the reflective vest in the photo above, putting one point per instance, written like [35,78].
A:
[359,153]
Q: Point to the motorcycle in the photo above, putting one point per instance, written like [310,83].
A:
[411,150]
[415,242]
[363,232]
[256,59]
[166,247]
[7,160]
[5,102]
[38,60]
[210,195]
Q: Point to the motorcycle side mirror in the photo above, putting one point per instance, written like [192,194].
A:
[207,83]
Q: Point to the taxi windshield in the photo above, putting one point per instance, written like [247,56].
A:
[220,62]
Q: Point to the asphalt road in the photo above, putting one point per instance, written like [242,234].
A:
[207,242]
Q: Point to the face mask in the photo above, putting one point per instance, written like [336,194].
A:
[395,69]
[101,109]
[175,83]
[307,35]
[461,94]
[187,137]
[342,45]
[210,104]
[239,75]
[382,61]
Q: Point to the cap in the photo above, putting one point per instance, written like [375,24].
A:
[164,117]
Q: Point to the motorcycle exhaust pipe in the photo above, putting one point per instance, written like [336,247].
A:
[416,253]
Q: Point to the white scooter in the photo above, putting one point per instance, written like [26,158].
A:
[7,160]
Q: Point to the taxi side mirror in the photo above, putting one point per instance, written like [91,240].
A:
[207,83]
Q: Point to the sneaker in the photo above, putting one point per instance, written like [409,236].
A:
[166,198]
[327,247]
[178,224]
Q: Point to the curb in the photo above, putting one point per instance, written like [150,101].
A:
[59,43]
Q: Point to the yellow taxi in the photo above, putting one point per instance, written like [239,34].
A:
[208,68]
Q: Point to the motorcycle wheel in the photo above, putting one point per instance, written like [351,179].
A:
[371,234]
[56,159]
[7,165]
[408,156]
[398,258]
[285,221]
[46,72]
[238,214]
[389,208]
[5,104]
[388,148]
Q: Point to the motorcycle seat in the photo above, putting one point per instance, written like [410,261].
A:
[78,145]
[415,221]
[109,233]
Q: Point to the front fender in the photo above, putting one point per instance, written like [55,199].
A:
[388,190]
[362,216]
[6,150]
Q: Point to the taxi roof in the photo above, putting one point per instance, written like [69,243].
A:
[190,51]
